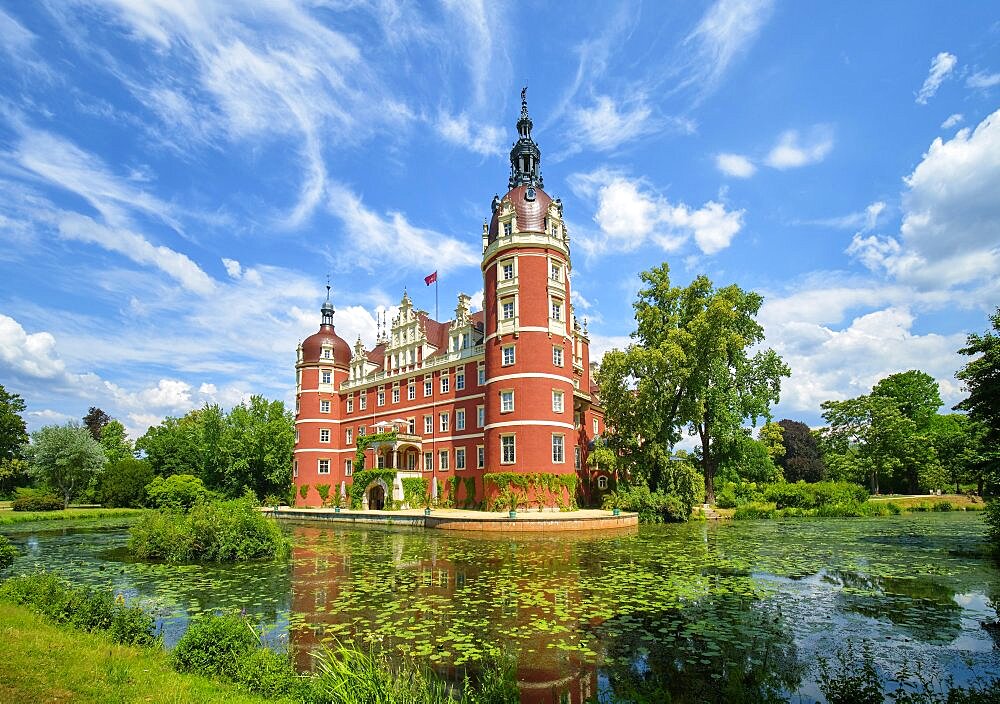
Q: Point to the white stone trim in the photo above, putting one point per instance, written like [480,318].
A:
[514,423]
[531,375]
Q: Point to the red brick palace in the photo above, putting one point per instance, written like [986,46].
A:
[504,389]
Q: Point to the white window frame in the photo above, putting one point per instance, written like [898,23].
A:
[363,400]
[558,448]
[445,421]
[481,375]
[597,426]
[323,466]
[460,380]
[395,394]
[428,425]
[557,355]
[460,419]
[348,436]
[480,456]
[508,442]
[411,391]
[348,467]
[443,457]
[558,401]
[459,458]
[507,309]
[555,309]
[445,383]
[326,376]
[324,435]
[324,406]
[295,468]
[428,386]
[428,461]
[505,359]
[411,426]
[380,397]
[602,482]
[503,270]
[505,396]
[480,416]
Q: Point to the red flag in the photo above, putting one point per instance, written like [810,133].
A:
[431,278]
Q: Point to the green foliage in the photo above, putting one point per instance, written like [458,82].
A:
[178,491]
[802,495]
[749,460]
[914,393]
[82,607]
[771,435]
[65,458]
[13,430]
[981,378]
[304,491]
[363,442]
[26,499]
[214,531]
[214,644]
[802,458]
[8,553]
[734,494]
[115,442]
[991,514]
[361,480]
[851,682]
[509,499]
[753,511]
[652,506]
[416,491]
[94,421]
[548,487]
[123,482]
[324,492]
[689,367]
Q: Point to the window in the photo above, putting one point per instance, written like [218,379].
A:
[460,419]
[428,385]
[443,459]
[555,271]
[411,426]
[507,270]
[445,384]
[480,456]
[324,467]
[348,468]
[296,436]
[363,400]
[507,449]
[507,309]
[459,380]
[602,483]
[480,416]
[295,468]
[557,356]
[428,461]
[324,435]
[556,313]
[395,394]
[296,405]
[428,425]
[325,376]
[459,458]
[361,431]
[380,397]
[508,355]
[481,376]
[507,401]
[327,353]
[576,457]
[558,456]
[557,402]
[595,427]
[380,461]
[324,406]
[348,436]
[411,390]
[445,422]
[507,229]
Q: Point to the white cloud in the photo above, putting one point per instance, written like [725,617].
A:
[630,214]
[941,66]
[983,80]
[793,150]
[477,301]
[735,165]
[481,139]
[31,355]
[233,268]
[863,220]
[607,124]
[15,40]
[952,120]
[393,239]
[727,29]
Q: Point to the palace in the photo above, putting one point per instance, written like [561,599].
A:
[507,389]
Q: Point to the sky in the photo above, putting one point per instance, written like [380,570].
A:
[178,178]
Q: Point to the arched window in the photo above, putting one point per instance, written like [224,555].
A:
[602,483]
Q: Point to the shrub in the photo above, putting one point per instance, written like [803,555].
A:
[123,483]
[178,491]
[36,500]
[215,531]
[324,492]
[942,506]
[652,506]
[754,511]
[7,553]
[735,494]
[82,607]
[991,514]
[802,495]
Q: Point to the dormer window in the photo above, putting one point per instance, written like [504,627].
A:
[507,229]
[507,270]
[327,353]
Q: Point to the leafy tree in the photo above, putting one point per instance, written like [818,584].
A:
[95,420]
[802,458]
[749,460]
[13,431]
[171,447]
[258,444]
[689,367]
[115,441]
[178,491]
[65,457]
[981,376]
[772,436]
[915,394]
[123,482]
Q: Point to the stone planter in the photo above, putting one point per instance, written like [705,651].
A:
[427,512]
[512,514]
[616,512]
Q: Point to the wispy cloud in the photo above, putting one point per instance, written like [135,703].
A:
[983,80]
[952,120]
[735,165]
[481,139]
[795,149]
[941,66]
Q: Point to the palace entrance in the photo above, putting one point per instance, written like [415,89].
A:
[376,498]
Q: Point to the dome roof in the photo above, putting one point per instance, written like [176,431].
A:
[312,347]
[530,213]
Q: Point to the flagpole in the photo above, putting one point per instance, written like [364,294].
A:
[436,316]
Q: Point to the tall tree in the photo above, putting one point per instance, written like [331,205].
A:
[802,458]
[66,458]
[95,420]
[258,444]
[171,447]
[115,442]
[981,377]
[13,441]
[915,393]
[690,367]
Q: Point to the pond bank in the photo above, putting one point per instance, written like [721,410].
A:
[8,517]
[476,521]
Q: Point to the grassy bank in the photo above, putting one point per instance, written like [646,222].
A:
[74,514]
[41,662]
[958,502]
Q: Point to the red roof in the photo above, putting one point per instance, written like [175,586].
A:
[377,355]
[530,213]
[312,346]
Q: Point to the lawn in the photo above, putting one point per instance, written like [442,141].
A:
[957,501]
[9,517]
[40,662]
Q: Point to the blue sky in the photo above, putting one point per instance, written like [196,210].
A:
[177,179]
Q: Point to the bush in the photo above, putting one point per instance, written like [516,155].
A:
[942,506]
[36,500]
[178,491]
[82,607]
[735,494]
[123,483]
[753,511]
[7,553]
[802,495]
[652,507]
[215,531]
[991,514]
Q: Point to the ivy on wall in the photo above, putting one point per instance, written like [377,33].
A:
[546,486]
[415,491]
[365,477]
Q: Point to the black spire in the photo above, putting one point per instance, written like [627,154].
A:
[524,155]
[327,310]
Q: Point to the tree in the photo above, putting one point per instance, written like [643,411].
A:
[802,458]
[65,457]
[13,431]
[748,460]
[171,447]
[915,394]
[771,435]
[258,444]
[690,367]
[981,377]
[95,420]
[115,441]
[123,482]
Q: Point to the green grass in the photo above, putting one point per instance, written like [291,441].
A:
[75,514]
[41,662]
[959,502]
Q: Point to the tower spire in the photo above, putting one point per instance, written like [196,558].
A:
[525,156]
[327,311]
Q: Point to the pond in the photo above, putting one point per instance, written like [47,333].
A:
[698,610]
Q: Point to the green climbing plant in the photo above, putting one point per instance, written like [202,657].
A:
[364,478]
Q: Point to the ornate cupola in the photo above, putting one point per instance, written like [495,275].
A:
[327,311]
[525,156]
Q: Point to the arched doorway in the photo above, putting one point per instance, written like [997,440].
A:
[376,498]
